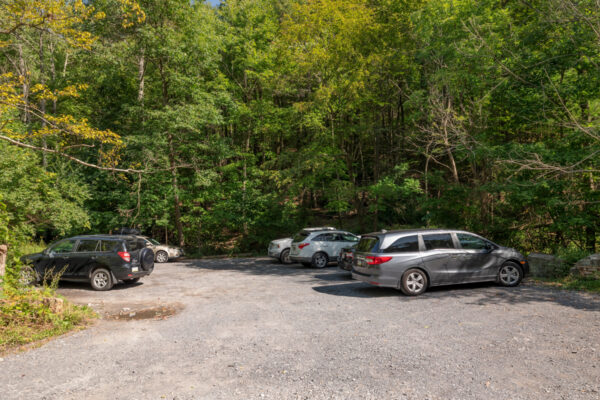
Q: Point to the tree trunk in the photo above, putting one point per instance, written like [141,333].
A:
[43,101]
[141,76]
[3,252]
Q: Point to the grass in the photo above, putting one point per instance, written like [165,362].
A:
[571,283]
[30,314]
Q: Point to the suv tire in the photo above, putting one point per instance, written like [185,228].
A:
[101,279]
[320,260]
[147,259]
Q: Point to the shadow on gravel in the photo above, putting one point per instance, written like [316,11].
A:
[474,293]
[254,266]
[338,276]
[86,285]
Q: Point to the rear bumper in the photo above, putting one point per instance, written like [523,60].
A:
[127,273]
[376,280]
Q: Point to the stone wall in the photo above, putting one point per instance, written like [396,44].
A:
[545,265]
[588,267]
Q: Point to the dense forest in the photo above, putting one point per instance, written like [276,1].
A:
[221,128]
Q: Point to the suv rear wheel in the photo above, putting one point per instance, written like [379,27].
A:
[320,260]
[101,279]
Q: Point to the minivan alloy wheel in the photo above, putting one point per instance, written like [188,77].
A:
[509,274]
[415,282]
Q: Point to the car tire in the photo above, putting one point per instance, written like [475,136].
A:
[510,274]
[320,260]
[162,256]
[147,259]
[284,257]
[101,279]
[131,281]
[414,282]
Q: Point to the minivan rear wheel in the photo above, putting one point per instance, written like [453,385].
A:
[414,282]
[320,260]
[101,279]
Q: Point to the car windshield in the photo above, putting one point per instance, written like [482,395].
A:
[154,242]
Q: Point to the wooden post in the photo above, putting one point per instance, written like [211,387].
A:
[3,251]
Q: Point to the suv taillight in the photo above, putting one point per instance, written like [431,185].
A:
[302,245]
[125,256]
[377,260]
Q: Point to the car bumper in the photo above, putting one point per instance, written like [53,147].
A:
[346,266]
[127,273]
[274,254]
[376,280]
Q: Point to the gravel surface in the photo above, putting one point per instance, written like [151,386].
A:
[253,329]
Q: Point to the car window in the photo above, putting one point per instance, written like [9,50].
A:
[66,246]
[346,237]
[324,237]
[87,245]
[404,245]
[367,244]
[300,236]
[438,241]
[110,245]
[471,242]
[134,245]
[154,242]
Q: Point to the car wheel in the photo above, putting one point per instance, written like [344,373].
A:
[320,260]
[147,259]
[101,279]
[130,281]
[414,282]
[510,274]
[285,257]
[162,257]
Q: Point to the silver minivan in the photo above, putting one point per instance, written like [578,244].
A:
[414,260]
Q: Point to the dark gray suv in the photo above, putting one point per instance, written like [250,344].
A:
[414,260]
[102,260]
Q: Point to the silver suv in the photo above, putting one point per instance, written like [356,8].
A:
[318,248]
[413,260]
[280,248]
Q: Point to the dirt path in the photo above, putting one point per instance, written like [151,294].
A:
[252,329]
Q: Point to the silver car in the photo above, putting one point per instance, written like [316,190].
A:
[318,248]
[414,260]
[280,248]
[162,252]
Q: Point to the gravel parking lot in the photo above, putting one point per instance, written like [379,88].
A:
[254,329]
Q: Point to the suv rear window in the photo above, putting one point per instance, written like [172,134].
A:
[111,245]
[367,244]
[404,245]
[300,236]
[438,241]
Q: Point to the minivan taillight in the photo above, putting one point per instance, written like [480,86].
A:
[377,260]
[125,256]
[302,245]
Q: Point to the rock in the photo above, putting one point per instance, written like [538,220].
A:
[3,252]
[545,265]
[588,267]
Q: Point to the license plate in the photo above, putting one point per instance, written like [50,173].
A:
[134,269]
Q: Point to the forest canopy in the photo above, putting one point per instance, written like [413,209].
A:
[221,128]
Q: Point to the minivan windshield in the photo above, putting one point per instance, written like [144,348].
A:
[367,244]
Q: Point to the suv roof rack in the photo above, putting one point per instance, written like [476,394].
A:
[320,228]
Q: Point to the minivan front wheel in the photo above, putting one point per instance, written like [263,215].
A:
[414,282]
[101,279]
[510,274]
[320,260]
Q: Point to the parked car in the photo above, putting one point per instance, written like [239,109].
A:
[346,258]
[318,248]
[414,260]
[162,252]
[102,260]
[280,248]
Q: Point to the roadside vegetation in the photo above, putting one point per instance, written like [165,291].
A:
[221,128]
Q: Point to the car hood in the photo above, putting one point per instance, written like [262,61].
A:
[281,240]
